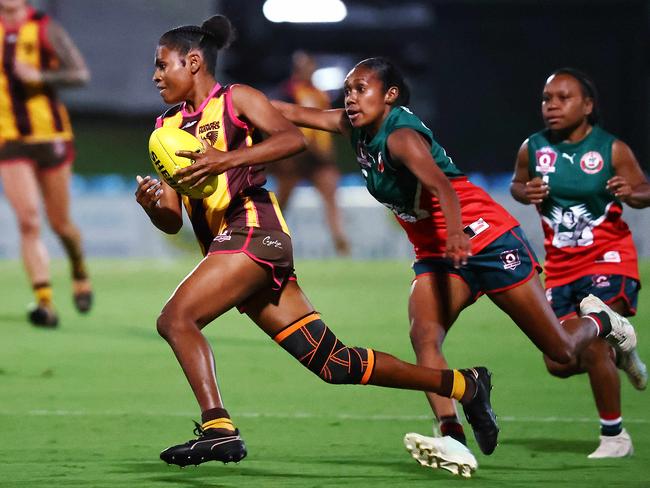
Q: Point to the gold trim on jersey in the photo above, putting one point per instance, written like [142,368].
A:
[38,106]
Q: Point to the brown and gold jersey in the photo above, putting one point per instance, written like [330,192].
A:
[241,199]
[29,112]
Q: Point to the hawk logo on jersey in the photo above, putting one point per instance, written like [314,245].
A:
[572,227]
[592,162]
[510,259]
[545,158]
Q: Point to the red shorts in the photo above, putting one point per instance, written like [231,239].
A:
[43,155]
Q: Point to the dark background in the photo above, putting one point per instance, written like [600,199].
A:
[476,68]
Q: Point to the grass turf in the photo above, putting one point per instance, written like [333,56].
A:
[92,403]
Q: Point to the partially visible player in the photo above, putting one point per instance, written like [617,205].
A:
[577,175]
[441,211]
[317,163]
[36,148]
[248,258]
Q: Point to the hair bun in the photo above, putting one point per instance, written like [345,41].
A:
[220,29]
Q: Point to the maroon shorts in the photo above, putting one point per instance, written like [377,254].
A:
[270,248]
[43,155]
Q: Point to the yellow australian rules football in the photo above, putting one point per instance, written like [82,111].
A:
[163,144]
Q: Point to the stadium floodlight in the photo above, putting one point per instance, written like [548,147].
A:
[304,11]
[329,78]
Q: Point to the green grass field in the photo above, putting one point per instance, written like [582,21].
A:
[92,403]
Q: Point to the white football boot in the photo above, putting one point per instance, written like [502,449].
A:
[622,338]
[441,452]
[616,446]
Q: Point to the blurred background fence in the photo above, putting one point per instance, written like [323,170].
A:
[476,68]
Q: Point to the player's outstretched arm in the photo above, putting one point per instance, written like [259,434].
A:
[411,149]
[330,120]
[160,202]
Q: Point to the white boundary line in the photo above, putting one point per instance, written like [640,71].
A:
[301,415]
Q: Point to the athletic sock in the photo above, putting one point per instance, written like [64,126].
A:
[602,322]
[217,418]
[611,424]
[455,384]
[451,426]
[43,293]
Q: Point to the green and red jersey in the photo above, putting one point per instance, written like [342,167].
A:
[418,211]
[583,229]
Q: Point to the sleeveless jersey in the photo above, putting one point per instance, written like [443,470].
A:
[240,200]
[418,211]
[29,113]
[583,229]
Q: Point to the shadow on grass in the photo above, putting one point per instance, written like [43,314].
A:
[555,445]
[216,475]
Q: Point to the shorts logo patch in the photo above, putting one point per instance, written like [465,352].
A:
[546,158]
[601,281]
[510,259]
[267,241]
[223,237]
[592,162]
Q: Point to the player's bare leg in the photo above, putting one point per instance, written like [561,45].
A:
[526,304]
[434,305]
[23,193]
[326,179]
[217,284]
[55,184]
[292,319]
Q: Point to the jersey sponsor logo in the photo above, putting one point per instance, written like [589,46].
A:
[270,242]
[380,163]
[610,257]
[476,227]
[600,281]
[364,158]
[224,236]
[510,259]
[570,158]
[545,158]
[591,162]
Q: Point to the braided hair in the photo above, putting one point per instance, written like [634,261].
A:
[214,34]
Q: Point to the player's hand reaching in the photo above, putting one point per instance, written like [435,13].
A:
[207,163]
[458,248]
[536,190]
[148,192]
[619,187]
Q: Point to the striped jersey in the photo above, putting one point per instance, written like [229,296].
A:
[29,113]
[583,229]
[241,199]
[418,211]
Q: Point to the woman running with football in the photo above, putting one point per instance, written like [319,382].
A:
[407,171]
[248,261]
[577,175]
